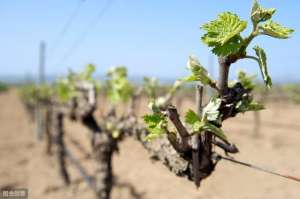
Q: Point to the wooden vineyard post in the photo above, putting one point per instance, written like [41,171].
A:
[39,111]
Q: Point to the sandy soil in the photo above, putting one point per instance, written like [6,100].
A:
[24,163]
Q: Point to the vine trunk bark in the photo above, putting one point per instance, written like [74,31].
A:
[59,145]
[103,147]
[103,152]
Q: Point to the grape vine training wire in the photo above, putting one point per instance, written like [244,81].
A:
[61,34]
[86,31]
[219,157]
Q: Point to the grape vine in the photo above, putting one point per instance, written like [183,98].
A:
[185,146]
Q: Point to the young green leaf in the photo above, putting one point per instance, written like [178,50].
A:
[214,130]
[45,92]
[176,86]
[150,86]
[246,80]
[156,125]
[87,75]
[119,87]
[276,30]
[199,73]
[248,105]
[32,94]
[221,30]
[88,72]
[191,117]
[259,14]
[211,110]
[66,87]
[115,72]
[232,46]
[262,61]
[199,126]
[153,120]
[153,106]
[194,120]
[65,90]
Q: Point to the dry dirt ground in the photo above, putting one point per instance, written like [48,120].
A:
[24,163]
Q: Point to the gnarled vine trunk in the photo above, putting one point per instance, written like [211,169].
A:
[59,145]
[103,151]
[48,122]
[103,148]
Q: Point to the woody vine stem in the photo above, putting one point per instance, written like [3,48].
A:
[187,148]
[223,35]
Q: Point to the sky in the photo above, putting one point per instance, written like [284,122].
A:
[149,37]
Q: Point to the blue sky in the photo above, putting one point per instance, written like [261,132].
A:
[152,38]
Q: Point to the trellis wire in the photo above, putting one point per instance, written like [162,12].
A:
[219,157]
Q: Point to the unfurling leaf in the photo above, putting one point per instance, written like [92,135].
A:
[223,33]
[259,14]
[230,47]
[177,85]
[191,117]
[153,106]
[161,101]
[87,75]
[119,87]
[120,71]
[276,30]
[211,110]
[33,94]
[194,120]
[156,125]
[262,61]
[150,86]
[246,80]
[88,72]
[65,89]
[248,105]
[201,125]
[214,130]
[199,73]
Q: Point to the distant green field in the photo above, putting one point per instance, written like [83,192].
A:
[3,87]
